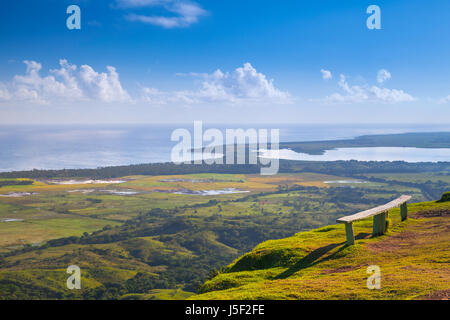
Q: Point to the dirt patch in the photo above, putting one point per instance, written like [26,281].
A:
[340,269]
[437,295]
[431,214]
[395,242]
[413,269]
[427,231]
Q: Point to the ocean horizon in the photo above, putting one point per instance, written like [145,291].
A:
[27,147]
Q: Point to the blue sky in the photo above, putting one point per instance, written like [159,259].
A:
[143,61]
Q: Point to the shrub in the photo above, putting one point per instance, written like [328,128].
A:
[445,197]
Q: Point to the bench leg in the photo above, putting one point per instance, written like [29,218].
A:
[404,211]
[379,224]
[349,233]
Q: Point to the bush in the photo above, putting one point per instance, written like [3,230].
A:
[445,197]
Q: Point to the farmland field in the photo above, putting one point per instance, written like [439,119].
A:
[42,210]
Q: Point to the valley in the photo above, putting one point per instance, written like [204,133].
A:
[162,236]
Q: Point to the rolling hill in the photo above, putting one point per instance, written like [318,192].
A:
[413,256]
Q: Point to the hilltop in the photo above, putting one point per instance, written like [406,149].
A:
[414,258]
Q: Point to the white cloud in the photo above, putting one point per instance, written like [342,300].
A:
[182,13]
[356,94]
[102,86]
[243,85]
[70,84]
[390,95]
[67,84]
[326,75]
[383,75]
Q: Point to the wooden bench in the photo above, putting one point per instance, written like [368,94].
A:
[379,217]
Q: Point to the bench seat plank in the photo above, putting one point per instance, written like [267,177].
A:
[374,211]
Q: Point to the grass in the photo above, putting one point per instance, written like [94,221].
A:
[40,230]
[413,256]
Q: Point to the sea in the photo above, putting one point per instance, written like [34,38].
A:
[27,147]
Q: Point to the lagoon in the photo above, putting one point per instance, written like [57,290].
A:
[364,154]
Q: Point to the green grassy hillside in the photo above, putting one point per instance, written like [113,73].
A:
[414,258]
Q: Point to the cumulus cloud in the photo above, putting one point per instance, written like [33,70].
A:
[66,84]
[383,75]
[243,85]
[70,84]
[356,94]
[182,13]
[102,86]
[326,75]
